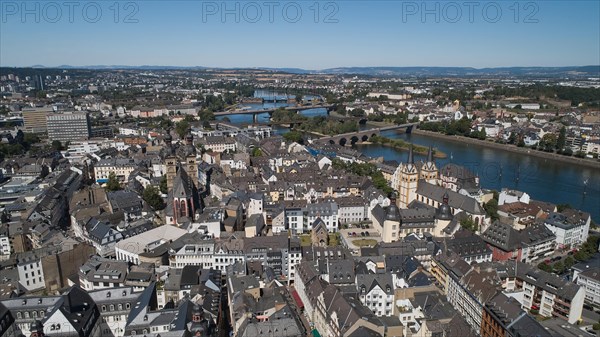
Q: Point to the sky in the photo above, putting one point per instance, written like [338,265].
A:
[300,34]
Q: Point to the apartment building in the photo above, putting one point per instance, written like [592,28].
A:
[66,127]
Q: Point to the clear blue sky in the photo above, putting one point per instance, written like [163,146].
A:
[367,33]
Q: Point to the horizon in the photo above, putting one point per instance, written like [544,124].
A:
[334,34]
[159,66]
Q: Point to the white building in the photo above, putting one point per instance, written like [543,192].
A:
[122,167]
[376,292]
[200,254]
[326,211]
[4,243]
[352,210]
[589,280]
[510,196]
[571,227]
[31,274]
[294,218]
[131,248]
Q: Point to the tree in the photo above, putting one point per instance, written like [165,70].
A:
[549,142]
[469,224]
[482,134]
[560,142]
[491,208]
[163,185]
[293,136]
[152,197]
[57,145]
[559,267]
[569,262]
[113,183]
[512,138]
[182,128]
[298,98]
[545,267]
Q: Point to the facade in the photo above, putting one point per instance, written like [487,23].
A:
[376,292]
[67,127]
[589,280]
[219,143]
[34,120]
[122,167]
[351,210]
[31,273]
[570,227]
[532,243]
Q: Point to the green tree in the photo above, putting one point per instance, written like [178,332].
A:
[545,267]
[491,208]
[482,134]
[469,224]
[569,262]
[298,98]
[57,145]
[152,196]
[163,185]
[549,142]
[113,183]
[560,141]
[559,267]
[182,128]
[293,136]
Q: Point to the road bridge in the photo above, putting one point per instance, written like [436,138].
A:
[255,113]
[364,135]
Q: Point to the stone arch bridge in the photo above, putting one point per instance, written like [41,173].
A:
[364,135]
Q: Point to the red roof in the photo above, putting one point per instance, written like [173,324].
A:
[297,298]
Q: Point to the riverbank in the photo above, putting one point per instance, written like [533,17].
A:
[511,148]
[404,146]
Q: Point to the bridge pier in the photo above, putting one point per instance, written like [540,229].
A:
[409,129]
[254,118]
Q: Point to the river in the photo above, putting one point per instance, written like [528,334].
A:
[264,117]
[542,179]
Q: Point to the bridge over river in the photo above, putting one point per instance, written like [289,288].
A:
[364,135]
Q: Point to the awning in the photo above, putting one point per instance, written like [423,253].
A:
[297,299]
[316,333]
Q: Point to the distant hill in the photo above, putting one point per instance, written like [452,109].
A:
[466,71]
[554,72]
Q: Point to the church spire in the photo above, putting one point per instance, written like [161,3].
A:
[430,154]
[411,159]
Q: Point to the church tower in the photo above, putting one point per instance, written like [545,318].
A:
[190,158]
[170,161]
[409,178]
[429,171]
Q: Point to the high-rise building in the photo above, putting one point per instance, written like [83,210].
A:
[34,119]
[68,126]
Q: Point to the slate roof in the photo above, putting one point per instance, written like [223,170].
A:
[455,200]
[508,239]
[468,244]
[369,281]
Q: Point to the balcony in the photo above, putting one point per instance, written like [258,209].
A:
[558,300]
